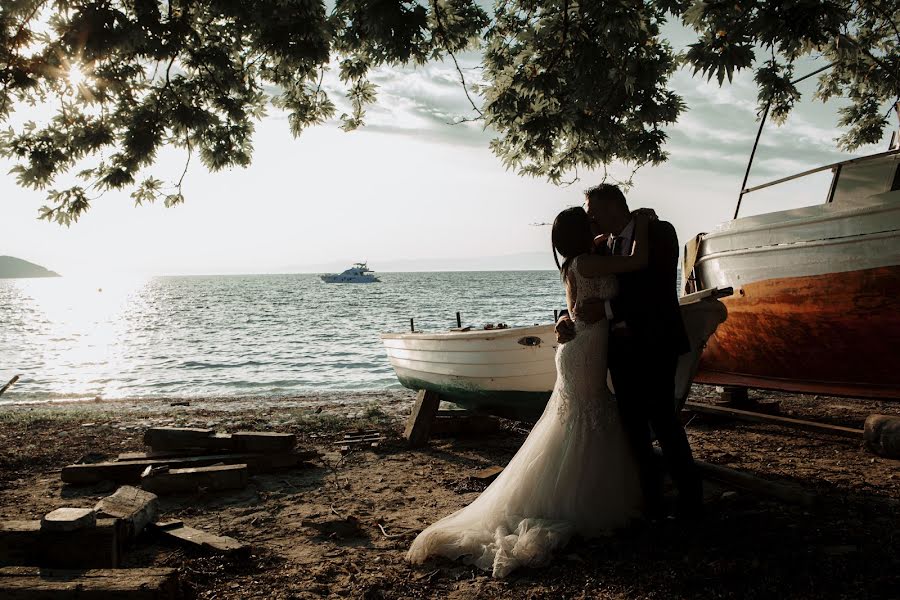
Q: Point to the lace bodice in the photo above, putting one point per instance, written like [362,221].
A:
[602,288]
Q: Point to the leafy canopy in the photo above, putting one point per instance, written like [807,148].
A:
[564,84]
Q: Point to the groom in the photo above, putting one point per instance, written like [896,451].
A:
[646,338]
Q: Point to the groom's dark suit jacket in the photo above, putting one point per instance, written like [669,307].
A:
[648,300]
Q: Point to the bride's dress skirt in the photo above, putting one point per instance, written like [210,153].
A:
[573,475]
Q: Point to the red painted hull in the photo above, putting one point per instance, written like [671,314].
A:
[835,334]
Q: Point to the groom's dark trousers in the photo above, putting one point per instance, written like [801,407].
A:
[646,338]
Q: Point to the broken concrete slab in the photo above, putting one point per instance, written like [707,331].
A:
[173,481]
[134,506]
[69,519]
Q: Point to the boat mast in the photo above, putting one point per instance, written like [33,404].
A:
[762,122]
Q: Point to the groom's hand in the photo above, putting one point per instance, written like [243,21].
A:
[565,330]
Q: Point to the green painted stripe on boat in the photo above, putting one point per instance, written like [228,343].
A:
[519,405]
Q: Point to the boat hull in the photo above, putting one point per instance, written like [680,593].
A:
[816,307]
[836,334]
[512,372]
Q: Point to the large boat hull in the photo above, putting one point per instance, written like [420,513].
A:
[816,307]
[836,334]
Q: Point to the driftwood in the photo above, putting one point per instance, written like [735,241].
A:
[163,439]
[746,415]
[109,584]
[69,519]
[9,384]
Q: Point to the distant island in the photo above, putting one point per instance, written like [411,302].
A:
[16,268]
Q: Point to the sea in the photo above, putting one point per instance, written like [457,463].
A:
[75,338]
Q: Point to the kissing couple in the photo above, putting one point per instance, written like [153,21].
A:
[588,465]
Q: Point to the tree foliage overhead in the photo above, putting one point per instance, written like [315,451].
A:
[564,84]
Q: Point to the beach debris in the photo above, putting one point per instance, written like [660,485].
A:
[134,507]
[177,531]
[172,439]
[755,417]
[487,475]
[29,543]
[360,438]
[882,435]
[782,491]
[135,584]
[69,519]
[130,471]
[164,480]
[9,384]
[180,403]
[177,438]
[267,442]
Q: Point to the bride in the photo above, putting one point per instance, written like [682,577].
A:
[575,472]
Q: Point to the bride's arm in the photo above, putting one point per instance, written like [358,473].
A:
[571,291]
[594,265]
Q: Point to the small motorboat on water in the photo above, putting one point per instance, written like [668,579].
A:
[511,371]
[816,307]
[358,273]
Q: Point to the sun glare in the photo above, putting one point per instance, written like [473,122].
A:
[76,76]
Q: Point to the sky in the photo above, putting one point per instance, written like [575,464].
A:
[411,192]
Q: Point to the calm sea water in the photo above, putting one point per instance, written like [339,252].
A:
[238,335]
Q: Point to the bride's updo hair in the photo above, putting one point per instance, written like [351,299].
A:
[571,236]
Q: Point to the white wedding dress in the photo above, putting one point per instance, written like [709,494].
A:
[574,474]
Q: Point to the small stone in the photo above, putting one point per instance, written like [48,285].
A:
[729,495]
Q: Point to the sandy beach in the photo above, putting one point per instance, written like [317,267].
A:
[341,529]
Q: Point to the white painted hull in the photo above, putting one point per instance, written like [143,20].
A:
[493,372]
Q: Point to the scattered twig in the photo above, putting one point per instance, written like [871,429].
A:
[9,384]
[386,534]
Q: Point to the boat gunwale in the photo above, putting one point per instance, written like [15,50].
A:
[850,211]
[487,334]
[834,241]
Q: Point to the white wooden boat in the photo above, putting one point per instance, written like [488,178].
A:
[511,372]
[358,273]
[816,307]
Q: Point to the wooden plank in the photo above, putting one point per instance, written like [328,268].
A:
[133,506]
[108,584]
[755,417]
[69,519]
[176,438]
[740,479]
[20,542]
[161,454]
[130,471]
[267,442]
[206,541]
[418,426]
[174,481]
[25,543]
